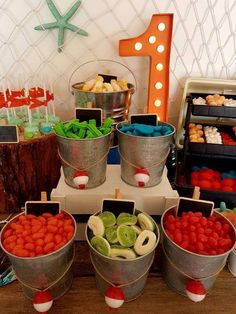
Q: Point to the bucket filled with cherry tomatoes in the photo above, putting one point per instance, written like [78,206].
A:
[41,251]
[195,250]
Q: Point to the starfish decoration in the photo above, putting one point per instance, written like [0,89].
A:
[62,23]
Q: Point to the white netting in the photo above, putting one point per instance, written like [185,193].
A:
[203,42]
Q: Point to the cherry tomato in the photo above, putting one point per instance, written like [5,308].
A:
[47,215]
[36,228]
[70,235]
[22,218]
[38,235]
[38,249]
[48,247]
[7,233]
[60,216]
[39,242]
[53,222]
[29,246]
[58,238]
[48,238]
[68,228]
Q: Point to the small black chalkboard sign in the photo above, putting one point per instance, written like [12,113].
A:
[117,206]
[37,208]
[189,204]
[107,78]
[86,114]
[9,134]
[149,119]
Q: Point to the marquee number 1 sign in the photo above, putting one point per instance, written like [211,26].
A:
[155,42]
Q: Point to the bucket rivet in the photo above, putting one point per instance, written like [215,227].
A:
[43,301]
[114,297]
[141,177]
[195,290]
[81,178]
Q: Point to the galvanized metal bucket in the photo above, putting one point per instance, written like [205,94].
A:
[85,154]
[148,153]
[130,274]
[39,273]
[232,262]
[114,104]
[179,264]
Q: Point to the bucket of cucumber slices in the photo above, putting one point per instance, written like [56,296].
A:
[122,242]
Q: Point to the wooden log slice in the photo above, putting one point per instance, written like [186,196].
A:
[26,169]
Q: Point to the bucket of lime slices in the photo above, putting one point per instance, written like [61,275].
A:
[122,249]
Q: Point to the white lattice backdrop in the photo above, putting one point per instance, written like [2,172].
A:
[203,42]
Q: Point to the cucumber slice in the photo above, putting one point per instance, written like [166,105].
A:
[122,253]
[111,234]
[126,236]
[145,242]
[126,219]
[95,223]
[145,222]
[108,218]
[101,245]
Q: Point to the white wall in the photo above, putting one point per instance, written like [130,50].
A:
[203,43]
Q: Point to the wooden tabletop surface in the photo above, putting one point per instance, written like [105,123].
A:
[83,297]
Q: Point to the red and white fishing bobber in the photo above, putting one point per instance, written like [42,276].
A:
[81,179]
[114,297]
[43,301]
[195,290]
[141,177]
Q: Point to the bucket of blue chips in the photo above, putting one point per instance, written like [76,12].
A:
[143,151]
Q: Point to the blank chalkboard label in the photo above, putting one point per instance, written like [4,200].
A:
[37,208]
[107,78]
[9,134]
[117,206]
[149,119]
[189,204]
[86,114]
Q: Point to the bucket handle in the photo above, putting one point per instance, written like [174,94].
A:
[117,62]
[4,221]
[54,282]
[87,168]
[125,284]
[147,168]
[186,275]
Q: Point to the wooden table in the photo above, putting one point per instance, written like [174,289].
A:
[83,297]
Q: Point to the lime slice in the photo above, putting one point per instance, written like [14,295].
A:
[111,234]
[95,223]
[101,245]
[126,219]
[126,235]
[108,218]
[146,222]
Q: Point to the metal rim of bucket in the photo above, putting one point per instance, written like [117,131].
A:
[118,125]
[189,252]
[130,89]
[123,260]
[234,274]
[36,257]
[234,262]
